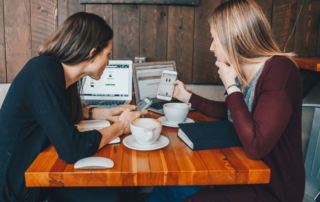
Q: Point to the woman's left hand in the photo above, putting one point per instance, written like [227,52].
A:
[113,113]
[227,74]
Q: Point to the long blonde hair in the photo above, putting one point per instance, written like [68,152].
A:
[244,33]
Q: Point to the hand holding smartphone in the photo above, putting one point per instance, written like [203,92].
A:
[166,87]
[144,104]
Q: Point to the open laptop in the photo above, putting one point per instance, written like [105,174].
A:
[146,78]
[112,89]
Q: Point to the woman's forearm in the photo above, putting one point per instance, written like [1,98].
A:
[111,133]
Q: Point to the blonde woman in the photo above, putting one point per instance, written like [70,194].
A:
[263,100]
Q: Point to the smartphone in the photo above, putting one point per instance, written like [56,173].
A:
[166,87]
[144,104]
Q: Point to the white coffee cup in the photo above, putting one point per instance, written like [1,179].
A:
[146,131]
[176,112]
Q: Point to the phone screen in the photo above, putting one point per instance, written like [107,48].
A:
[166,85]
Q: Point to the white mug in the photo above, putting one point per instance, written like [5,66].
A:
[176,112]
[146,131]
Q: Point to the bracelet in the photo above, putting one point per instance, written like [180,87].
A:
[90,115]
[235,85]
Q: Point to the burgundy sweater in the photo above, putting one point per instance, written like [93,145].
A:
[272,131]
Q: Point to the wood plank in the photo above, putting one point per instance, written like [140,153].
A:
[67,8]
[126,31]
[74,6]
[266,6]
[43,22]
[284,15]
[307,28]
[105,11]
[62,11]
[180,38]
[3,70]
[153,32]
[204,69]
[17,35]
[174,2]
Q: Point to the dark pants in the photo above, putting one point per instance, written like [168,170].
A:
[172,193]
[83,194]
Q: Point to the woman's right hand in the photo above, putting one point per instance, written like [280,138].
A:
[127,116]
[180,92]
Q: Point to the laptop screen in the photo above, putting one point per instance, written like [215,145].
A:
[115,83]
[147,77]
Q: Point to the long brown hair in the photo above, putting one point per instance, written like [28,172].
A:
[72,43]
[244,33]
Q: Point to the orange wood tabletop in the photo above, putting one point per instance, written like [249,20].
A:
[175,164]
[308,63]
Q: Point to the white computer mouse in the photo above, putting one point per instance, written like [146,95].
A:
[94,163]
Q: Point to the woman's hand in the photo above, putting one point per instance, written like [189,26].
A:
[180,92]
[227,74]
[128,116]
[111,114]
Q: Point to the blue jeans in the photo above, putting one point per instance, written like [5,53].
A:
[172,193]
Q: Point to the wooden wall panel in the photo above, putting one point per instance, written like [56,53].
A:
[307,30]
[204,70]
[266,6]
[105,11]
[284,15]
[62,11]
[126,31]
[17,35]
[180,40]
[3,71]
[43,22]
[74,6]
[153,32]
[67,8]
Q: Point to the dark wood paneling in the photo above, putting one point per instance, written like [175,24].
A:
[43,22]
[284,15]
[266,6]
[180,38]
[153,32]
[67,8]
[74,6]
[307,30]
[204,70]
[126,31]
[176,2]
[3,71]
[105,11]
[17,35]
[62,11]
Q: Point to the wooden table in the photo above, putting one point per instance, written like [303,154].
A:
[175,164]
[308,63]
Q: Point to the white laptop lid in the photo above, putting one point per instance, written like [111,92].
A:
[115,83]
[147,78]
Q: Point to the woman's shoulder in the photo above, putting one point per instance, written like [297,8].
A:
[280,64]
[278,71]
[44,60]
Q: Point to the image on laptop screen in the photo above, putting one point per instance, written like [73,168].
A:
[114,87]
[147,79]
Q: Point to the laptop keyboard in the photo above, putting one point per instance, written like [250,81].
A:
[105,103]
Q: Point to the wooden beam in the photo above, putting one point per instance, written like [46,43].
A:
[171,2]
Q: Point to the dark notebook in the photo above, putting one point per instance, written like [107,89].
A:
[208,135]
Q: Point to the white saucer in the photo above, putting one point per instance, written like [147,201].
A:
[164,122]
[131,143]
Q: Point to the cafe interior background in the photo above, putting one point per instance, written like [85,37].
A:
[161,31]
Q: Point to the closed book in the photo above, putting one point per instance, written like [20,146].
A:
[208,135]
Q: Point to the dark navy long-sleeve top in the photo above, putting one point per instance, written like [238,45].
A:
[34,114]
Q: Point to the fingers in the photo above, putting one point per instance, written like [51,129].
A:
[143,112]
